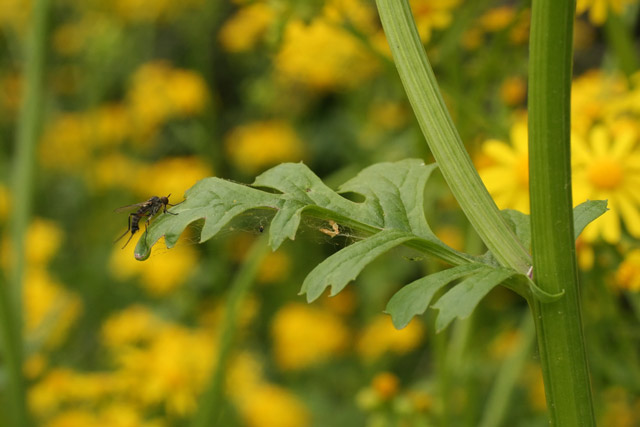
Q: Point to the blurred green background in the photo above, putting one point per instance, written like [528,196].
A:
[146,97]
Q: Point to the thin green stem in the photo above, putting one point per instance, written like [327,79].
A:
[443,139]
[498,402]
[620,39]
[558,324]
[28,130]
[210,406]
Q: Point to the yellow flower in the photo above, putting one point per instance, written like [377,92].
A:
[4,202]
[605,167]
[14,15]
[304,57]
[66,143]
[598,9]
[116,170]
[130,326]
[596,97]
[10,91]
[172,175]
[304,335]
[497,18]
[355,13]
[42,241]
[504,344]
[275,267]
[273,406]
[386,385]
[380,337]
[621,408]
[158,92]
[50,309]
[628,273]
[170,370]
[432,15]
[508,178]
[160,274]
[244,376]
[247,27]
[513,91]
[150,10]
[258,145]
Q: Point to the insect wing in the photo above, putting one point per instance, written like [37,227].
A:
[133,206]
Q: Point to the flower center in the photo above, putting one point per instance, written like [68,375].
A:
[605,174]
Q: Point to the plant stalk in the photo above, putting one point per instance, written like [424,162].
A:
[558,324]
[27,133]
[443,138]
[210,407]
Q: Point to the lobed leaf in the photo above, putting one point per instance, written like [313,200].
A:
[462,299]
[414,298]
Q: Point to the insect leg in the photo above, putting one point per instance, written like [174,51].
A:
[125,233]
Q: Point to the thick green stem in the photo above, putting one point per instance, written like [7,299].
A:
[28,130]
[209,410]
[558,324]
[443,139]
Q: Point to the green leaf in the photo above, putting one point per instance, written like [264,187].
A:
[585,213]
[393,195]
[414,298]
[344,266]
[463,298]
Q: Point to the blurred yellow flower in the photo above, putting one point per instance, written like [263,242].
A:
[507,179]
[451,235]
[49,309]
[244,376]
[14,15]
[535,387]
[5,202]
[497,18]
[172,175]
[67,143]
[605,167]
[504,344]
[131,326]
[159,92]
[138,11]
[160,274]
[598,9]
[255,146]
[620,408]
[628,273]
[169,370]
[386,385]
[246,27]
[380,337]
[432,15]
[275,267]
[42,241]
[595,97]
[513,90]
[352,13]
[10,94]
[273,406]
[305,58]
[115,170]
[304,335]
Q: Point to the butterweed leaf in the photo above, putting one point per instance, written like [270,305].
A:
[344,266]
[587,212]
[393,201]
[462,299]
[414,298]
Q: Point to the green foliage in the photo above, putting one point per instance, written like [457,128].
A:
[392,214]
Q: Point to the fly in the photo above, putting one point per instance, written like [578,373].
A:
[146,210]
